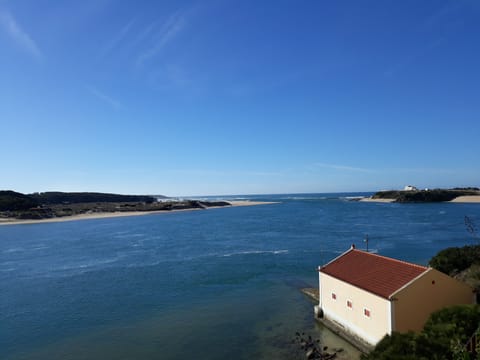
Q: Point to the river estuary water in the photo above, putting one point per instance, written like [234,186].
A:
[215,284]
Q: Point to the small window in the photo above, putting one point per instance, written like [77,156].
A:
[334,296]
[366,312]
[349,304]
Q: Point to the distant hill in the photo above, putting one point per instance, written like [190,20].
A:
[14,205]
[434,195]
[15,201]
[55,197]
[11,200]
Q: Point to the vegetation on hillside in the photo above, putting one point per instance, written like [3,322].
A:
[47,205]
[56,197]
[11,200]
[442,338]
[454,260]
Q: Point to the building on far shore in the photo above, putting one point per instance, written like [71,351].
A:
[367,296]
[410,188]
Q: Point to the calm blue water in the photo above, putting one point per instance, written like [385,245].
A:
[214,284]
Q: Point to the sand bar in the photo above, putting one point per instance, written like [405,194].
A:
[102,215]
[460,199]
[467,199]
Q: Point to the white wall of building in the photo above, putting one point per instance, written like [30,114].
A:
[353,319]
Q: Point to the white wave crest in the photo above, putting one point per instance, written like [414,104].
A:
[256,252]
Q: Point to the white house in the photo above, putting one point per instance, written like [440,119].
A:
[368,295]
[410,188]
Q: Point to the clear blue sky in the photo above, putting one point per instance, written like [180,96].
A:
[238,97]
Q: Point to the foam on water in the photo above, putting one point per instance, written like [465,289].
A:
[256,252]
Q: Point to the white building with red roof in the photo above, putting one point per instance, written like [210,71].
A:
[368,296]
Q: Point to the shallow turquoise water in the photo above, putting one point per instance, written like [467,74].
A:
[215,284]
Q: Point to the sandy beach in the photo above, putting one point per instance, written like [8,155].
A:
[460,199]
[467,199]
[101,215]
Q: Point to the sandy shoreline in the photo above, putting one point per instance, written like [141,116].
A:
[467,199]
[123,214]
[460,199]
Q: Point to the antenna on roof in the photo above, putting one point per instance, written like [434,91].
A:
[366,240]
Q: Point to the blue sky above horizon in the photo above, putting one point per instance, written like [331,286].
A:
[238,97]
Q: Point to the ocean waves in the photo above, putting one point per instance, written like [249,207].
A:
[256,252]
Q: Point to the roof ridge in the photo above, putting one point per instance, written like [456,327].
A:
[392,259]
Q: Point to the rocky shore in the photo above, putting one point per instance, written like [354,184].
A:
[313,348]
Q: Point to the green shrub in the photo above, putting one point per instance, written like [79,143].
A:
[442,338]
[453,260]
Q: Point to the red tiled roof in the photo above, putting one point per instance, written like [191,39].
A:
[374,273]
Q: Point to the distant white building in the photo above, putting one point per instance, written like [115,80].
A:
[410,188]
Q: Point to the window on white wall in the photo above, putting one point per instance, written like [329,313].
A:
[334,296]
[366,312]
[349,304]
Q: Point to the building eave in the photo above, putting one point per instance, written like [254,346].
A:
[338,257]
